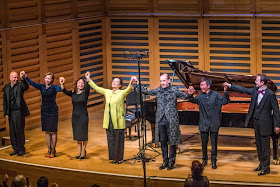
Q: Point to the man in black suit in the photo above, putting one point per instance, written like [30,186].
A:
[210,104]
[263,102]
[15,110]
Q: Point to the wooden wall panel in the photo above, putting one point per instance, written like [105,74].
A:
[91,55]
[58,9]
[2,118]
[22,12]
[230,6]
[178,6]
[59,58]
[23,55]
[127,6]
[178,38]
[269,49]
[131,35]
[228,46]
[268,7]
[89,8]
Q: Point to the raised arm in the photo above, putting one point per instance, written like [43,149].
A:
[66,92]
[93,85]
[24,84]
[240,88]
[34,84]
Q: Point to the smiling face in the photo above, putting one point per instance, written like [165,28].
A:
[80,84]
[48,80]
[204,87]
[13,77]
[258,82]
[164,81]
[116,83]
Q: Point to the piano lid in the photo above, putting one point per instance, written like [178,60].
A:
[191,76]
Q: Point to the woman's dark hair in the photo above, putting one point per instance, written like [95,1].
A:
[121,81]
[197,170]
[42,182]
[75,84]
[51,74]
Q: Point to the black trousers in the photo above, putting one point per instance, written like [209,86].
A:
[263,147]
[17,126]
[163,137]
[275,138]
[214,141]
[115,139]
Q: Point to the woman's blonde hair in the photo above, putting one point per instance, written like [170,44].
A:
[19,181]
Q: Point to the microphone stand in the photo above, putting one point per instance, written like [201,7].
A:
[141,155]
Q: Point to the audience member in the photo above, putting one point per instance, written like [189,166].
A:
[196,179]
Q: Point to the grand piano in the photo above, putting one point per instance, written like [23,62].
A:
[233,114]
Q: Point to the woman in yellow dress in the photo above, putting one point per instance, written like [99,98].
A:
[114,115]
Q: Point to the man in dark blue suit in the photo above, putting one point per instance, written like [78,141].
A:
[263,103]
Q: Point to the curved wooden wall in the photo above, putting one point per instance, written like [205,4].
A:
[70,37]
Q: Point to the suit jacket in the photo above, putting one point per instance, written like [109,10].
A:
[268,104]
[114,105]
[210,114]
[167,105]
[19,93]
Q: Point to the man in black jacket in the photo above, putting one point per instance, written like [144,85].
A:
[15,110]
[210,104]
[263,102]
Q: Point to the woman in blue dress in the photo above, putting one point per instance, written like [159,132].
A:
[49,110]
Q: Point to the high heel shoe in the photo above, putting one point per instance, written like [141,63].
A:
[48,154]
[83,157]
[53,154]
[78,156]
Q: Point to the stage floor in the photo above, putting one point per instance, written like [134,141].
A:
[237,155]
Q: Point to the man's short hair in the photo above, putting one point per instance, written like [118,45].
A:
[263,78]
[165,74]
[207,80]
[42,182]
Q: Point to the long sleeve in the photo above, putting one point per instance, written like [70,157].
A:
[193,99]
[224,99]
[5,103]
[127,90]
[24,85]
[148,92]
[35,85]
[242,89]
[67,92]
[275,108]
[87,90]
[97,88]
[181,94]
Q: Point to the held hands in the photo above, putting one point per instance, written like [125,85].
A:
[134,79]
[87,75]
[191,90]
[61,80]
[22,75]
[226,86]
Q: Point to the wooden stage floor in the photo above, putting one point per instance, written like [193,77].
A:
[236,158]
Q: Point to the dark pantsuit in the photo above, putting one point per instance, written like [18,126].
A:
[214,140]
[263,146]
[115,139]
[17,125]
[163,137]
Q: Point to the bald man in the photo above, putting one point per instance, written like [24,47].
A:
[15,110]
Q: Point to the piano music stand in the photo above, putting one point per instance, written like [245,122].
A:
[141,155]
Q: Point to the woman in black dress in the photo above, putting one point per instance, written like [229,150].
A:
[49,110]
[80,114]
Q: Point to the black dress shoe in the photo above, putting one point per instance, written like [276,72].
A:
[170,167]
[20,153]
[258,168]
[14,153]
[264,172]
[163,166]
[204,163]
[214,165]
